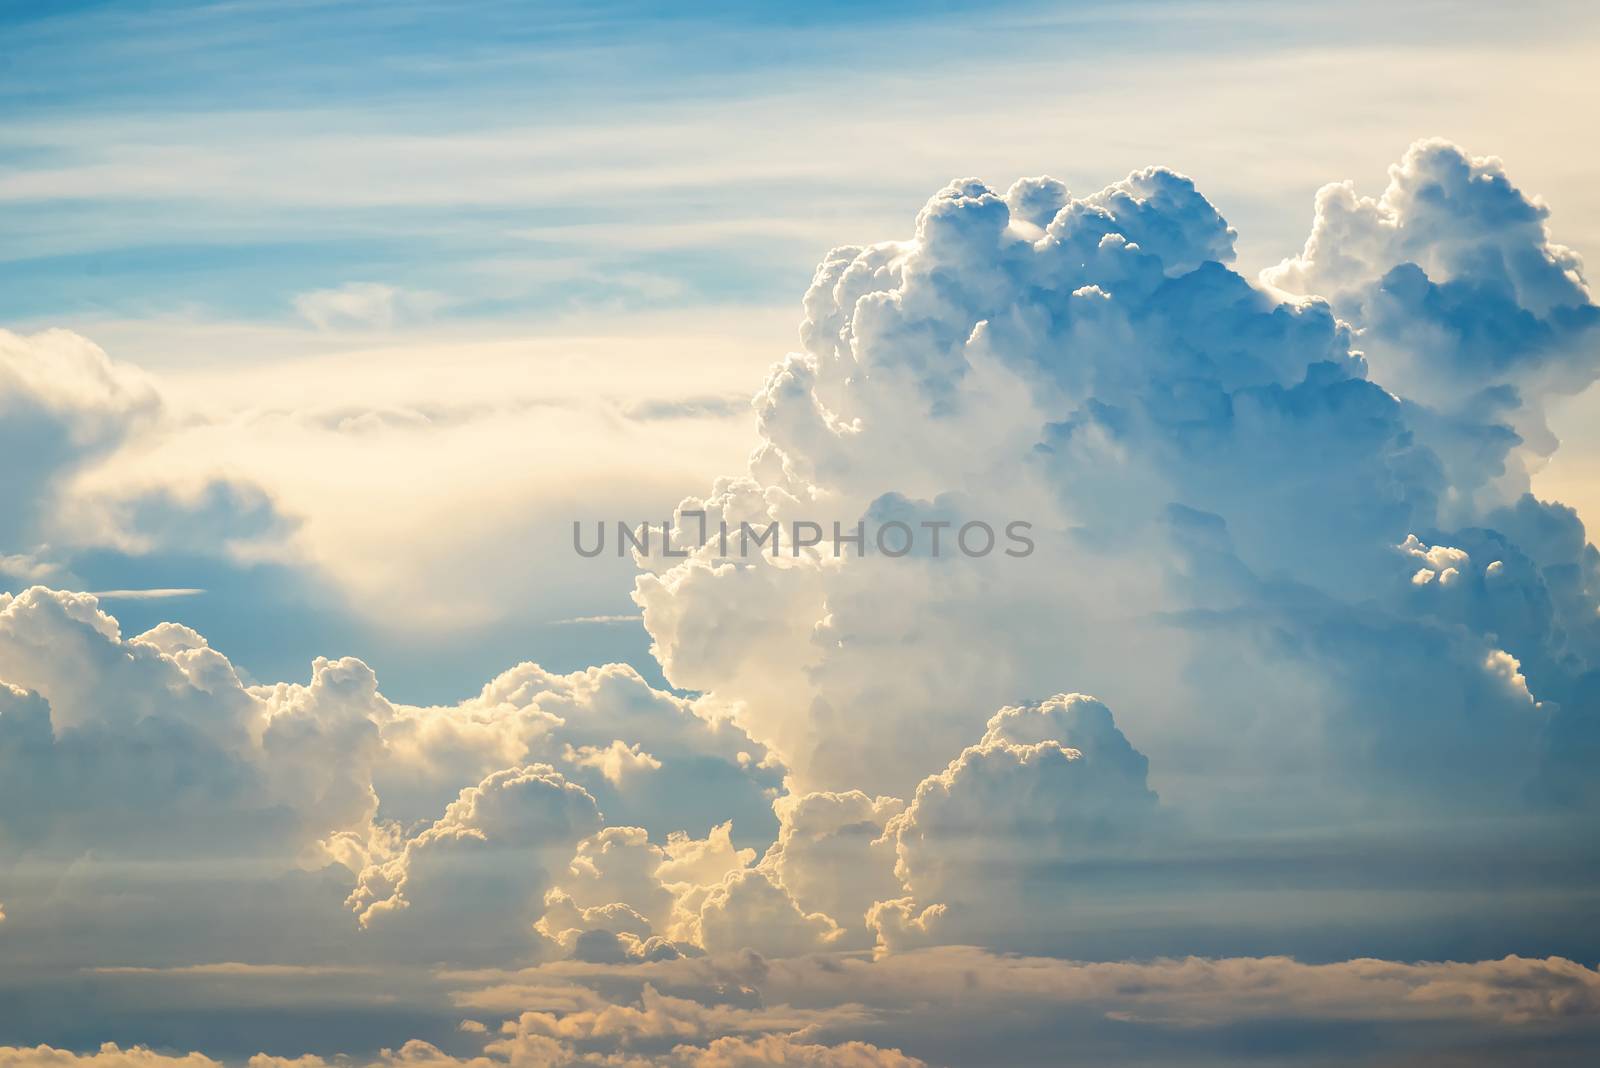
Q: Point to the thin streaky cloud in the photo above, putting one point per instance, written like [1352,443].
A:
[147,595]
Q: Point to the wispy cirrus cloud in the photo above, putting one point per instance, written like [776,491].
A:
[584,620]
[146,595]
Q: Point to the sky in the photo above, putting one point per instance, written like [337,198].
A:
[622,204]
[322,324]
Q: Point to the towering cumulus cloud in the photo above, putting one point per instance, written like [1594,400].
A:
[1227,487]
[1344,667]
[1467,308]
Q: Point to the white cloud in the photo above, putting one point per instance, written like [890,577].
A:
[155,594]
[454,473]
[63,404]
[749,911]
[641,752]
[369,305]
[646,895]
[1049,786]
[834,856]
[617,761]
[1217,482]
[472,885]
[439,823]
[577,620]
[1466,303]
[141,772]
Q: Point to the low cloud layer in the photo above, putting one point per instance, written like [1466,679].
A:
[962,1005]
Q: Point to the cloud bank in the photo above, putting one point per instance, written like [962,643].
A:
[1345,671]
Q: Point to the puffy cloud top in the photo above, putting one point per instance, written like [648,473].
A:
[63,402]
[1289,539]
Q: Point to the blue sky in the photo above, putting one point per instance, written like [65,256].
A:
[217,159]
[321,323]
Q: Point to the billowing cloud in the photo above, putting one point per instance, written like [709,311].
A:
[153,747]
[475,880]
[835,856]
[749,910]
[1217,480]
[1466,305]
[67,410]
[649,758]
[444,827]
[63,403]
[987,839]
[625,897]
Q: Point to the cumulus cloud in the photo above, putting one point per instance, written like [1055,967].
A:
[1136,372]
[1466,304]
[835,856]
[629,898]
[442,825]
[69,417]
[747,910]
[649,758]
[984,843]
[1217,477]
[476,878]
[63,403]
[152,746]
